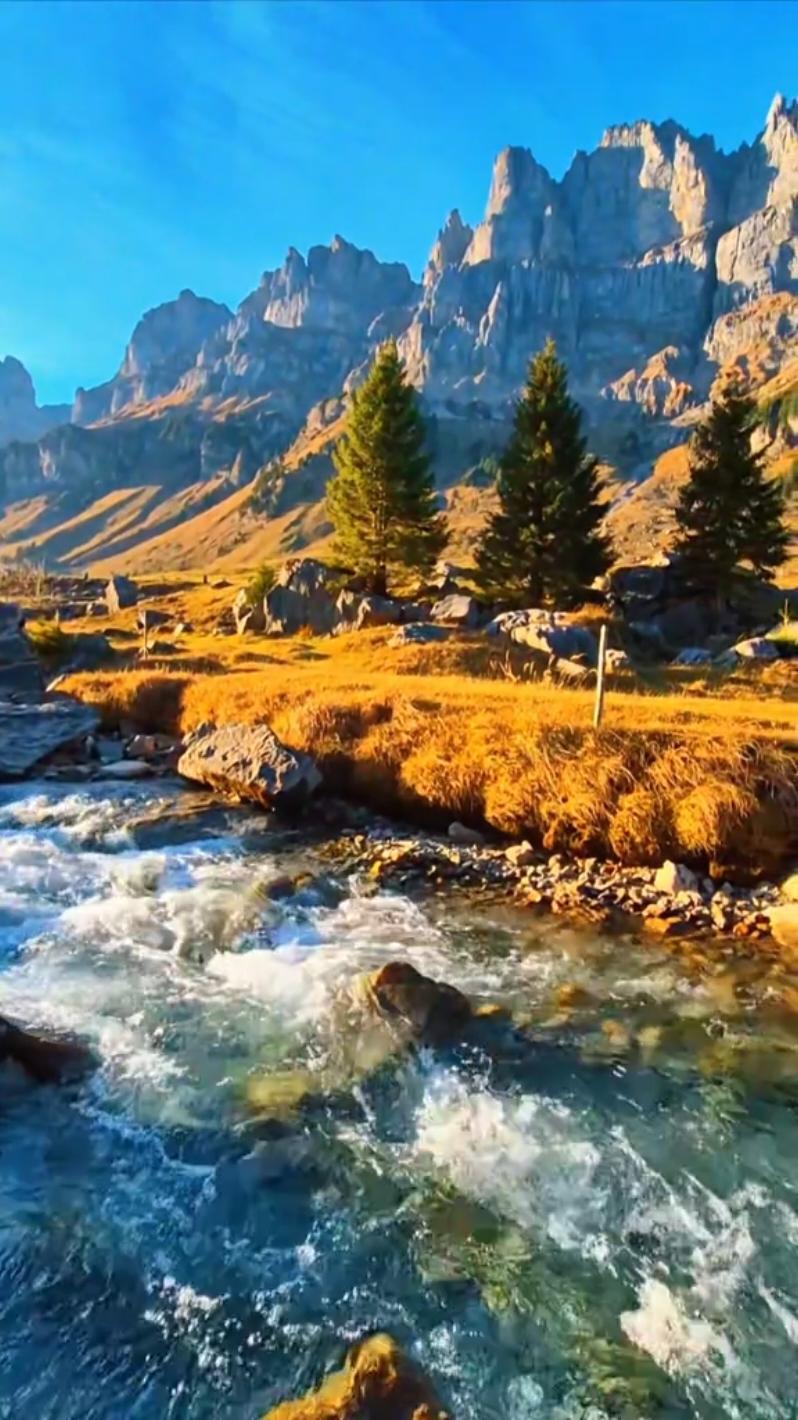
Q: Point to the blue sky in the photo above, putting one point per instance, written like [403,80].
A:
[145,147]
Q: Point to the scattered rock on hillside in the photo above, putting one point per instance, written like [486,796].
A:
[248,616]
[120,593]
[419,634]
[304,595]
[458,610]
[547,632]
[249,762]
[148,618]
[43,1058]
[29,733]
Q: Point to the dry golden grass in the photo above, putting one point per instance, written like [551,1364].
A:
[429,731]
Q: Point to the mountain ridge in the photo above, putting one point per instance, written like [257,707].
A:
[655,261]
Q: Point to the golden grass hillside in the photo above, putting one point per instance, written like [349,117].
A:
[431,732]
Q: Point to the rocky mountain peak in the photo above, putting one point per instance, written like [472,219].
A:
[20,416]
[451,245]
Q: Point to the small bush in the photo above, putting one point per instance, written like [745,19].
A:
[262,582]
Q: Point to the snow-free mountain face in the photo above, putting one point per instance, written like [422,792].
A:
[653,262]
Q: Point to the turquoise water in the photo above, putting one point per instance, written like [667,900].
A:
[594,1215]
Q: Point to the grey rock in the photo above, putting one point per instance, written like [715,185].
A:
[21,676]
[89,649]
[127,769]
[120,593]
[148,618]
[305,595]
[29,733]
[464,836]
[419,634]
[756,648]
[673,878]
[249,763]
[248,617]
[458,610]
[693,656]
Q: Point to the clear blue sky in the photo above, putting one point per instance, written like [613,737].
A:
[150,146]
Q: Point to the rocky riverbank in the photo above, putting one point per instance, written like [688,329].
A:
[665,902]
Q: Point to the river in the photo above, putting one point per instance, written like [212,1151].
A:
[598,1216]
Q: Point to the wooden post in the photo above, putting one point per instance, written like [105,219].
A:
[598,709]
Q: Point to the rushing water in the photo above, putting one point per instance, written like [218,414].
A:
[596,1216]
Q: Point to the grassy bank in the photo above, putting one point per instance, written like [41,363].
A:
[697,776]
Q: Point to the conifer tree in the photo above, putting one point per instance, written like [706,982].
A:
[543,544]
[382,498]
[730,516]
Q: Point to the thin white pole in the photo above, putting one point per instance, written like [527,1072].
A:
[598,709]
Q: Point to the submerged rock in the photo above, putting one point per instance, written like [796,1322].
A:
[427,1009]
[378,1382]
[29,733]
[249,763]
[44,1059]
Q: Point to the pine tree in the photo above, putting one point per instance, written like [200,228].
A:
[730,516]
[543,545]
[382,497]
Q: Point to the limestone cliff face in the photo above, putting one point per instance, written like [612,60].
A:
[641,252]
[20,416]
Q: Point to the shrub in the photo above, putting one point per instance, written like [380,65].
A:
[261,582]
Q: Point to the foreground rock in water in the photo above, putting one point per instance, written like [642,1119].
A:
[45,1060]
[29,733]
[249,763]
[378,1382]
[428,1010]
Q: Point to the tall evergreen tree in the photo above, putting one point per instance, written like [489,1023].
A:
[382,497]
[730,516]
[543,544]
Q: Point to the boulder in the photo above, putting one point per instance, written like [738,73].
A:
[29,733]
[617,660]
[88,649]
[248,617]
[693,656]
[148,618]
[304,595]
[675,877]
[378,611]
[756,648]
[45,1059]
[789,888]
[377,1380]
[547,632]
[428,1010]
[466,837]
[21,676]
[120,593]
[458,610]
[356,612]
[249,763]
[784,925]
[419,634]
